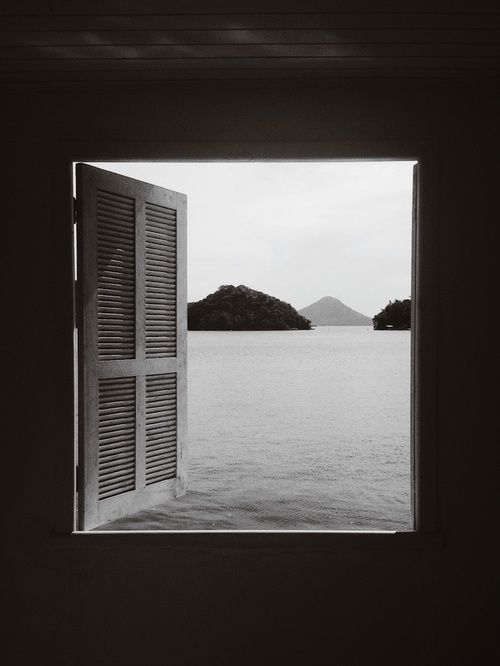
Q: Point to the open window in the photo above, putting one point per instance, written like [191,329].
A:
[132,345]
[132,388]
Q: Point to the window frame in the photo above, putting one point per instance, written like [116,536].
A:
[425,290]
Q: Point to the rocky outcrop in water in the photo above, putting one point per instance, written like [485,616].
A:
[395,316]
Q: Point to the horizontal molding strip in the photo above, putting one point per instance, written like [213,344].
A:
[267,50]
[251,21]
[103,38]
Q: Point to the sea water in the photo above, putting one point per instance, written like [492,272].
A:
[294,430]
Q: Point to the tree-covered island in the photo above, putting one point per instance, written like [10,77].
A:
[243,309]
[395,316]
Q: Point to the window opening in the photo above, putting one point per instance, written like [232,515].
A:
[290,427]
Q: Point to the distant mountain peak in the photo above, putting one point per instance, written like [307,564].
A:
[330,311]
[326,299]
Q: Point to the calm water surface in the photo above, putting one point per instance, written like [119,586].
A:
[295,430]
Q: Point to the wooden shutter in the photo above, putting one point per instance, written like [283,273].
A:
[132,345]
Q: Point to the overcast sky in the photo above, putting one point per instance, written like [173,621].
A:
[296,230]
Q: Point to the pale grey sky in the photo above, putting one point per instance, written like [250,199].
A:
[296,230]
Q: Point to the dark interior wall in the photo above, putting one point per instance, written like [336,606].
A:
[80,603]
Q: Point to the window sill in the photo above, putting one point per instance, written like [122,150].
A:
[243,539]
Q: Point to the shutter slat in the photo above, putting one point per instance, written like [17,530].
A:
[113,448]
[108,470]
[113,442]
[110,289]
[166,444]
[114,202]
[114,213]
[162,454]
[162,231]
[157,277]
[109,250]
[161,475]
[161,438]
[163,209]
[155,466]
[166,408]
[113,420]
[115,260]
[162,234]
[160,429]
[106,195]
[124,412]
[115,273]
[115,400]
[158,215]
[114,223]
[116,478]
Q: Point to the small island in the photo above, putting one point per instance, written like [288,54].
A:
[396,316]
[243,309]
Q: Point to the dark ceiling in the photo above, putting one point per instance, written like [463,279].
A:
[77,40]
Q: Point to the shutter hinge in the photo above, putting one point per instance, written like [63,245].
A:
[77,478]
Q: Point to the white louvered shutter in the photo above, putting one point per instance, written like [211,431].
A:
[132,345]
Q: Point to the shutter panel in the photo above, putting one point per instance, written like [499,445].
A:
[132,345]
